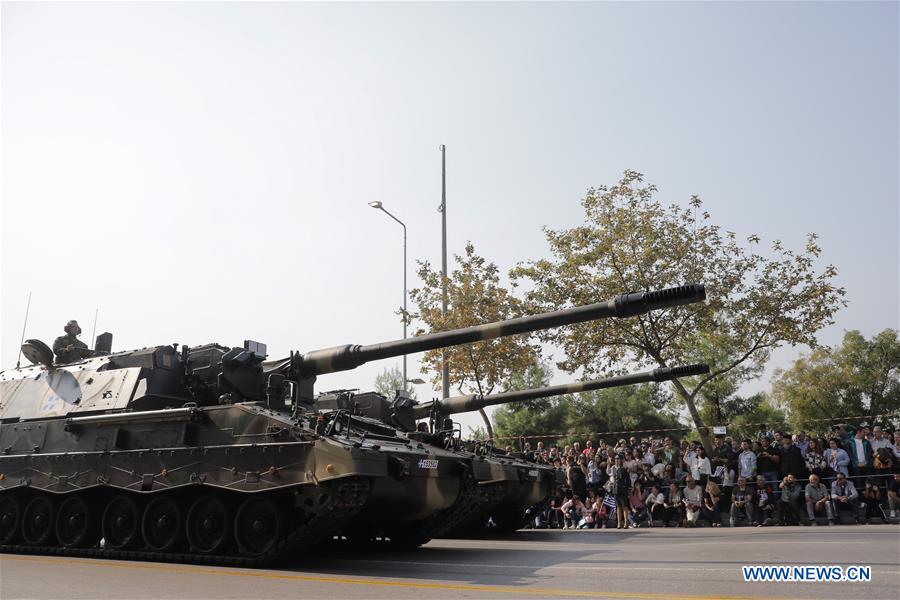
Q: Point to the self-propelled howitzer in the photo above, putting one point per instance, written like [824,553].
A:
[522,498]
[210,453]
[503,486]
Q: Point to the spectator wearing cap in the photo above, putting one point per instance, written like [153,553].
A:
[791,459]
[818,500]
[741,500]
[844,496]
[837,458]
[747,464]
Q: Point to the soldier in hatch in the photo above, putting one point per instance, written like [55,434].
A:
[68,348]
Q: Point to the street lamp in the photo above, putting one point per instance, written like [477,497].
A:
[376,204]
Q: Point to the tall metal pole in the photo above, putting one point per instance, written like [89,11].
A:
[380,206]
[404,303]
[445,366]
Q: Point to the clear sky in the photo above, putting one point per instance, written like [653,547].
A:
[201,171]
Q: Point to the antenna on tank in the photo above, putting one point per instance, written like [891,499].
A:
[94,332]
[24,325]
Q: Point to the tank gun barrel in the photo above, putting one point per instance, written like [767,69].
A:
[461,404]
[344,358]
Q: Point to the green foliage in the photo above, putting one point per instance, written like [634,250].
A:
[389,381]
[630,241]
[475,297]
[619,409]
[614,409]
[858,377]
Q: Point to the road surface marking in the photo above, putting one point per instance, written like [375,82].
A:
[495,589]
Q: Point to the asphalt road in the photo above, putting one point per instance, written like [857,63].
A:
[646,563]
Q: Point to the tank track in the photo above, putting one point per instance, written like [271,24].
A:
[473,498]
[318,527]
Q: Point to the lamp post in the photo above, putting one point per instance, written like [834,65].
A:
[376,204]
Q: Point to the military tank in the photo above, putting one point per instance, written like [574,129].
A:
[521,498]
[504,487]
[213,454]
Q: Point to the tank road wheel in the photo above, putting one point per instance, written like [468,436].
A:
[10,518]
[121,522]
[258,526]
[74,523]
[208,525]
[37,521]
[162,524]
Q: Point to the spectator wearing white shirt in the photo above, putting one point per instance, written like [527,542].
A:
[702,468]
[656,505]
[693,501]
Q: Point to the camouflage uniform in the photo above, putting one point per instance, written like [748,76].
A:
[79,349]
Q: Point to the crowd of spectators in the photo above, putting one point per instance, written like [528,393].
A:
[843,475]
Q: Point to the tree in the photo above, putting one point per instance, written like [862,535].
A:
[857,377]
[629,408]
[539,416]
[630,241]
[389,381]
[475,297]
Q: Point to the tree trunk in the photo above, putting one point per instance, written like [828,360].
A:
[487,424]
[695,414]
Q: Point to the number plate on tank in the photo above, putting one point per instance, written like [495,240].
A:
[428,463]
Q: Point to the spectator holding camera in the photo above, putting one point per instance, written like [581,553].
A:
[871,497]
[818,500]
